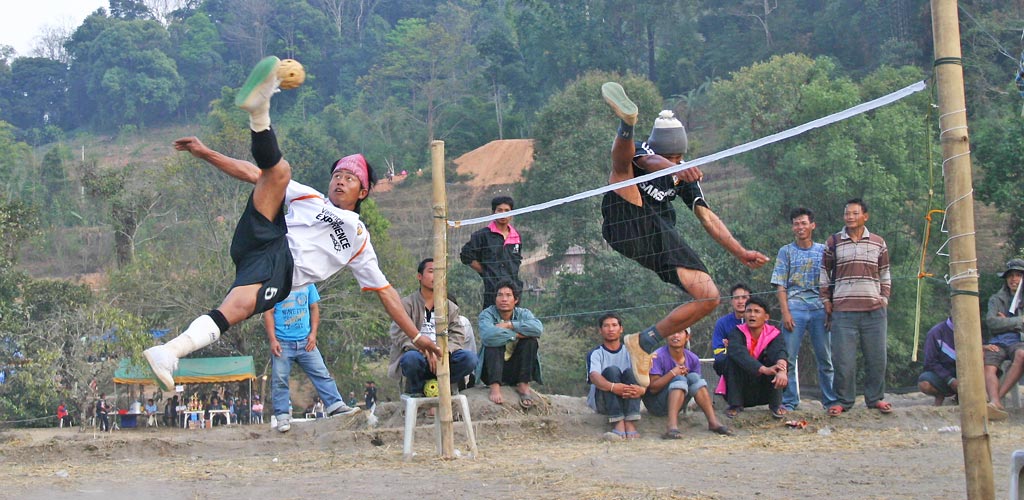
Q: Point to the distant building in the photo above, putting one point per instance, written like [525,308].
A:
[571,261]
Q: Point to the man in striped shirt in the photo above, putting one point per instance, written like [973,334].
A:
[855,287]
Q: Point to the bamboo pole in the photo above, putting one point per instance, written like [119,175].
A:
[440,204]
[963,263]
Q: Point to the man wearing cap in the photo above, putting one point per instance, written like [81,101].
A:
[275,253]
[1005,323]
[639,222]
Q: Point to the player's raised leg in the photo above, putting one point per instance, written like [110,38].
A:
[623,148]
[267,199]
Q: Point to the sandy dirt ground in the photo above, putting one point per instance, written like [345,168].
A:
[554,451]
[497,162]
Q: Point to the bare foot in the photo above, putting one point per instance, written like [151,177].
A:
[939,400]
[495,395]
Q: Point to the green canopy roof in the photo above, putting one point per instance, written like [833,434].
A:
[192,371]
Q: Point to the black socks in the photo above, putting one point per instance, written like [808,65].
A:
[264,149]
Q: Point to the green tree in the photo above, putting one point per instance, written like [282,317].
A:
[881,157]
[54,177]
[15,165]
[122,67]
[37,92]
[133,201]
[54,338]
[425,71]
[199,61]
[999,146]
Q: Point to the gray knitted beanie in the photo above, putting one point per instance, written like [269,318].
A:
[668,137]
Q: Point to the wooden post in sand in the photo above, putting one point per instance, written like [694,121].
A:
[963,260]
[440,204]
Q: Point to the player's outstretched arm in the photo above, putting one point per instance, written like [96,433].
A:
[239,169]
[393,305]
[716,228]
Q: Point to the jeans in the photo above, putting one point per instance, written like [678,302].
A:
[810,321]
[416,370]
[312,363]
[657,403]
[614,406]
[866,330]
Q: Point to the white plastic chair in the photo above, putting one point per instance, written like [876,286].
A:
[1017,475]
[412,405]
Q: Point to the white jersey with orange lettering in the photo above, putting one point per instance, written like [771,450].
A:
[325,239]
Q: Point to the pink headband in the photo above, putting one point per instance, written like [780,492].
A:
[357,165]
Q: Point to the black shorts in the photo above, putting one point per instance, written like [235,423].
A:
[260,251]
[648,238]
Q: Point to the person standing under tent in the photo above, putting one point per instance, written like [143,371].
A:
[370,395]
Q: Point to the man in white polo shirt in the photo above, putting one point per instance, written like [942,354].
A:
[275,253]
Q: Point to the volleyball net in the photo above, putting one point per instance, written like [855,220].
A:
[572,276]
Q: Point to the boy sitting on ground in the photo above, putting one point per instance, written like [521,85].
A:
[675,379]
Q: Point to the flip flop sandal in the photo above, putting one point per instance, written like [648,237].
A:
[672,434]
[632,435]
[614,435]
[722,430]
[835,410]
[883,407]
[732,411]
[526,401]
[779,412]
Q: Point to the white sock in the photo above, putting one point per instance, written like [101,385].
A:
[202,332]
[259,120]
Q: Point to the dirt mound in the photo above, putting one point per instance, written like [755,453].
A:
[497,162]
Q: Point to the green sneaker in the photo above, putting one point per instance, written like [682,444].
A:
[615,96]
[257,90]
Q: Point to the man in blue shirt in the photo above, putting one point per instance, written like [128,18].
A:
[797,278]
[292,331]
[738,296]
